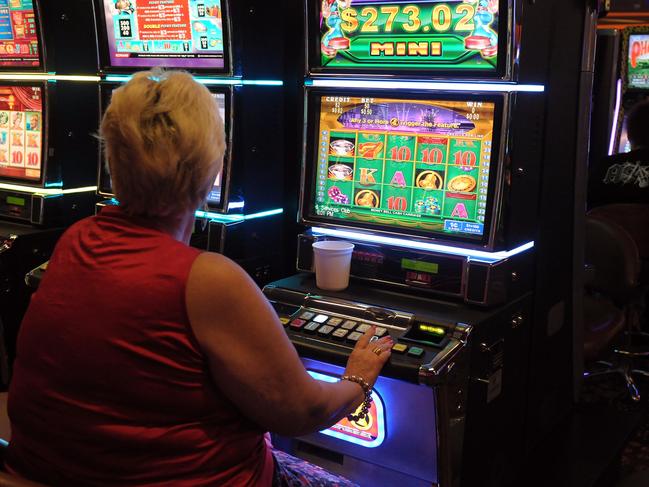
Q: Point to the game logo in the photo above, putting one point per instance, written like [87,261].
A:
[421,165]
[21,132]
[438,35]
[170,33]
[638,65]
[368,432]
[19,46]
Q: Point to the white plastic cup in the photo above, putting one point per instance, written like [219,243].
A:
[332,260]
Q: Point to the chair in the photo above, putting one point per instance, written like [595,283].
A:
[611,294]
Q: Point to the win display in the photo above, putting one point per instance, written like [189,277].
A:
[419,165]
[21,132]
[170,33]
[19,45]
[419,35]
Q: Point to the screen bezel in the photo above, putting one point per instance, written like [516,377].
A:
[503,69]
[105,65]
[41,45]
[104,185]
[45,140]
[307,214]
[628,32]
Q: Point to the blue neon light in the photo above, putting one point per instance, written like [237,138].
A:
[121,78]
[478,255]
[616,114]
[427,85]
[58,184]
[380,418]
[237,218]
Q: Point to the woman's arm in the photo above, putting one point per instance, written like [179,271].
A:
[254,363]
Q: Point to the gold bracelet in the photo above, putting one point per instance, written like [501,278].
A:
[367,390]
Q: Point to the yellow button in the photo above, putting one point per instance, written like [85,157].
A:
[284,320]
[399,348]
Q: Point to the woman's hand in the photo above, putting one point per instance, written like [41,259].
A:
[368,357]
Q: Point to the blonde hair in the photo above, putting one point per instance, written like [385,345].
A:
[164,143]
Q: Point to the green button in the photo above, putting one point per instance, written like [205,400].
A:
[416,352]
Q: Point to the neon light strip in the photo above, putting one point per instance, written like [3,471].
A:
[47,191]
[116,78]
[350,439]
[479,255]
[616,114]
[236,205]
[414,85]
[237,218]
[48,77]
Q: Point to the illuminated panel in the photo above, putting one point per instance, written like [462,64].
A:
[443,35]
[368,433]
[21,132]
[638,62]
[421,166]
[173,33]
[216,193]
[19,35]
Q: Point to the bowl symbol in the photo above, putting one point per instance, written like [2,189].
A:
[342,147]
[340,172]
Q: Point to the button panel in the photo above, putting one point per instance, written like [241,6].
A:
[342,330]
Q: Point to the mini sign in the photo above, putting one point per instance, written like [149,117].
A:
[425,34]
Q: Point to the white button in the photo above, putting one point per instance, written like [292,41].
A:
[320,318]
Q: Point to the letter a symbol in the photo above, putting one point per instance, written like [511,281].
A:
[398,180]
[460,211]
[367,176]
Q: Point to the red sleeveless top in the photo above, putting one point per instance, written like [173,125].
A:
[110,386]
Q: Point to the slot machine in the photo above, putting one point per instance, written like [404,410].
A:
[622,81]
[47,170]
[436,140]
[213,39]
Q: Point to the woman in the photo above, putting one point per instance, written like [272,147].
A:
[143,361]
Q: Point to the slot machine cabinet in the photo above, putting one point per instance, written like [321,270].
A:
[515,363]
[247,207]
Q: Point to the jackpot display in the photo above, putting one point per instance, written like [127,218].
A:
[170,33]
[21,132]
[638,62]
[418,165]
[19,37]
[419,35]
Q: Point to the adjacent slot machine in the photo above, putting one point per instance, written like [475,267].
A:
[245,205]
[48,67]
[428,135]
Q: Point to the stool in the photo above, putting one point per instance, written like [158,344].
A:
[610,294]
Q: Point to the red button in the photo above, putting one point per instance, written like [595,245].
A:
[297,323]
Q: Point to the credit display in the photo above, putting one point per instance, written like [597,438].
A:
[21,132]
[170,33]
[413,165]
[447,35]
[19,38]
[638,62]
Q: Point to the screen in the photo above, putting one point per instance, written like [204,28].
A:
[215,195]
[18,34]
[415,165]
[638,62]
[170,33]
[419,35]
[21,132]
[625,144]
